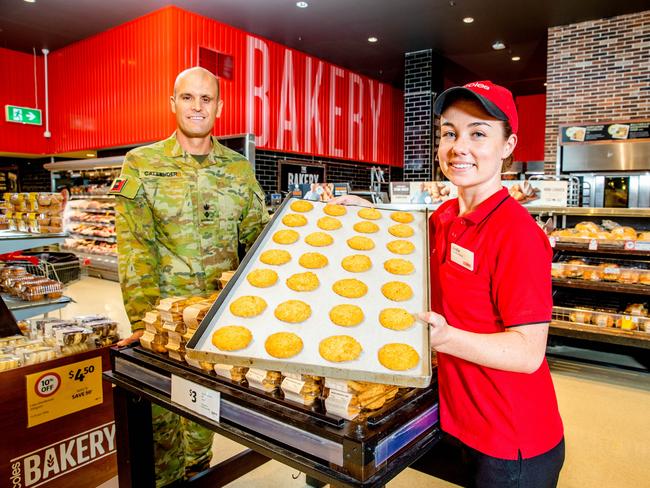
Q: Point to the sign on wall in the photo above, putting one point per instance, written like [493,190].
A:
[293,174]
[23,115]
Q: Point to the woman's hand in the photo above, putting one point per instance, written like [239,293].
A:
[438,328]
[133,338]
[350,200]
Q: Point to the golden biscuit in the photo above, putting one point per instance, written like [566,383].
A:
[301,206]
[275,257]
[247,306]
[401,230]
[361,243]
[283,345]
[294,220]
[293,311]
[398,357]
[339,348]
[396,318]
[346,315]
[399,266]
[356,263]
[350,288]
[402,217]
[328,223]
[313,260]
[319,239]
[334,209]
[232,338]
[366,227]
[400,247]
[369,213]
[286,236]
[303,281]
[397,291]
[262,278]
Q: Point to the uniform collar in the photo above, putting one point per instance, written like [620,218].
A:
[173,149]
[480,213]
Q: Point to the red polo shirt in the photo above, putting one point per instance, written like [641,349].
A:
[498,413]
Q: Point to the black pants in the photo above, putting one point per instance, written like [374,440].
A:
[537,472]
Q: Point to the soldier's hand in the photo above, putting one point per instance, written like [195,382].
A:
[350,200]
[132,338]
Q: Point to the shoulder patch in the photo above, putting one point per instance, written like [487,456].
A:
[125,187]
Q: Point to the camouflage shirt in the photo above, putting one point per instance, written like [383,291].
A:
[179,222]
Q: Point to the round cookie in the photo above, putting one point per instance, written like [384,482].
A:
[366,227]
[286,236]
[402,217]
[301,206]
[328,223]
[275,257]
[401,230]
[369,213]
[262,278]
[400,247]
[232,338]
[334,209]
[313,260]
[293,311]
[397,291]
[346,315]
[350,288]
[396,318]
[398,357]
[319,239]
[303,281]
[339,348]
[361,243]
[399,266]
[247,306]
[357,263]
[294,220]
[283,345]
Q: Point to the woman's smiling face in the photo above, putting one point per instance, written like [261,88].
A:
[473,145]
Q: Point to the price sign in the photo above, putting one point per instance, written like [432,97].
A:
[195,397]
[593,244]
[552,240]
[630,245]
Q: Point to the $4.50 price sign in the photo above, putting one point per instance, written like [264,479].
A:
[195,397]
[79,374]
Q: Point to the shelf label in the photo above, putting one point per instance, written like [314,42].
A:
[642,246]
[59,391]
[552,241]
[195,397]
[593,244]
[630,245]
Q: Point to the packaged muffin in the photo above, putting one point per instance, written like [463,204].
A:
[580,316]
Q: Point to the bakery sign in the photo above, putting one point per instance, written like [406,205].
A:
[616,131]
[38,467]
[292,175]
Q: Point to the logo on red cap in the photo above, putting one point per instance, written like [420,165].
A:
[498,96]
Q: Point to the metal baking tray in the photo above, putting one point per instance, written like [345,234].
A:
[369,333]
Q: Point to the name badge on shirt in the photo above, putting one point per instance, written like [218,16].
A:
[463,257]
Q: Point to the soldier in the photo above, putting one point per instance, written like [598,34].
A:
[183,207]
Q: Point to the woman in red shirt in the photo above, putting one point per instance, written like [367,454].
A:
[491,301]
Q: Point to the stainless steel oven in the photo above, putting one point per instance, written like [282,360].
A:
[616,190]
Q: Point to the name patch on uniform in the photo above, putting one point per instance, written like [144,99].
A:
[125,187]
[168,174]
[461,256]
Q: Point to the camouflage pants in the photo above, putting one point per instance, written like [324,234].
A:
[178,443]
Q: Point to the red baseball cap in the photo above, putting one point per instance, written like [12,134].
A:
[496,100]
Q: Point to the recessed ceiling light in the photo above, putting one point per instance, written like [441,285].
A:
[302,4]
[498,45]
[468,20]
[30,1]
[545,84]
[515,58]
[90,155]
[372,39]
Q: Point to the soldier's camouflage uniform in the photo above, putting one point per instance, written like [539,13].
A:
[178,225]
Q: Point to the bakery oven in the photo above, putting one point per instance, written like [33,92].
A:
[616,190]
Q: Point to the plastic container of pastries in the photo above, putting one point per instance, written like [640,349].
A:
[623,233]
[557,270]
[610,271]
[9,361]
[638,309]
[233,373]
[72,335]
[38,355]
[629,275]
[643,236]
[52,290]
[644,277]
[302,388]
[581,316]
[154,341]
[574,268]
[15,340]
[264,380]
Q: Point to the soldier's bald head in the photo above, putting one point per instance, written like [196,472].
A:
[197,72]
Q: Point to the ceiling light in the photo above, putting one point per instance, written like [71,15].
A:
[30,1]
[498,45]
[468,20]
[90,155]
[372,39]
[545,84]
[302,4]
[515,58]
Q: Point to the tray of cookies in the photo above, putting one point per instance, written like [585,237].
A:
[327,290]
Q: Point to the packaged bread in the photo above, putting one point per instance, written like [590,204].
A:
[303,389]
[638,309]
[204,365]
[644,236]
[193,314]
[152,321]
[342,404]
[574,268]
[644,277]
[175,351]
[171,309]
[629,275]
[234,373]
[263,380]
[580,316]
[623,233]
[154,341]
[588,227]
[592,273]
[610,271]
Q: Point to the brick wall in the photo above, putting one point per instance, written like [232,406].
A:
[357,174]
[418,118]
[596,71]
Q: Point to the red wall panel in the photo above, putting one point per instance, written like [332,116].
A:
[17,88]
[532,123]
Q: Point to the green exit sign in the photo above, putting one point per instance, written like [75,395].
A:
[23,115]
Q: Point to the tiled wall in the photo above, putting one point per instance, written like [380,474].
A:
[597,71]
[418,119]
